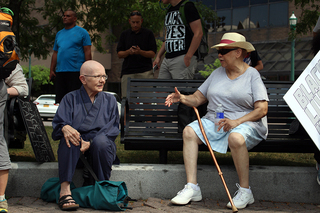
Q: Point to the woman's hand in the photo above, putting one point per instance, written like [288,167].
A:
[228,124]
[173,97]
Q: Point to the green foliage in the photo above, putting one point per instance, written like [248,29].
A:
[209,68]
[97,17]
[309,16]
[159,44]
[40,75]
[208,15]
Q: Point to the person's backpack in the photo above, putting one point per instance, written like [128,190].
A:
[9,50]
[203,48]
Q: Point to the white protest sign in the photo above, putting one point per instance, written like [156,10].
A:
[304,99]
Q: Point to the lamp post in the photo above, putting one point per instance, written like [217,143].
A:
[293,23]
[29,51]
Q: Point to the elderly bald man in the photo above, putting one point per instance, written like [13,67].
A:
[87,120]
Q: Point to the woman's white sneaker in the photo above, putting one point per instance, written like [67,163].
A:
[186,195]
[242,198]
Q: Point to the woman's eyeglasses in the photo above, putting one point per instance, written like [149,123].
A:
[104,77]
[225,51]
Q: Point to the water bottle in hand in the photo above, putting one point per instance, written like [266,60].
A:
[219,116]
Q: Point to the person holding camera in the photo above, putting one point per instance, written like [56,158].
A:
[137,46]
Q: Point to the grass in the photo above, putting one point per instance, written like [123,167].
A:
[175,157]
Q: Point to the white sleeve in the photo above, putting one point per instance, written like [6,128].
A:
[18,81]
[317,27]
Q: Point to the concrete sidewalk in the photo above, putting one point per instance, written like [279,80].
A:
[156,205]
[291,188]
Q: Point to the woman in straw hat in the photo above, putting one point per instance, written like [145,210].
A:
[240,90]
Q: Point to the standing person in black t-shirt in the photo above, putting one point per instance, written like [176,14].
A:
[137,46]
[253,59]
[181,42]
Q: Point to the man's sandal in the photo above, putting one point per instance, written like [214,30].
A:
[63,200]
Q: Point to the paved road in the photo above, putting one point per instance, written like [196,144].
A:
[47,122]
[155,205]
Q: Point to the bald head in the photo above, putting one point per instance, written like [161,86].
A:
[93,77]
[91,66]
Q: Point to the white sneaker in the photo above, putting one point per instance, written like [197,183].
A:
[241,198]
[186,195]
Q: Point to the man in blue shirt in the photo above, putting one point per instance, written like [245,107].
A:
[72,47]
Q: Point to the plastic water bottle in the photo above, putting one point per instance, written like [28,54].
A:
[219,116]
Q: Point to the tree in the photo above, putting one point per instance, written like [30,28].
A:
[309,15]
[26,27]
[96,16]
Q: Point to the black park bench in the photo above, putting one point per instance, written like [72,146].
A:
[147,124]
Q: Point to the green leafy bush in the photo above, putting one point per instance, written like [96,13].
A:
[209,68]
[40,75]
[159,43]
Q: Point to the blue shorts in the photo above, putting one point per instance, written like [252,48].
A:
[219,140]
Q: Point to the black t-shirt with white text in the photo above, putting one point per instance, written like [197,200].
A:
[179,36]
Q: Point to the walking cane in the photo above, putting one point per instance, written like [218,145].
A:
[234,208]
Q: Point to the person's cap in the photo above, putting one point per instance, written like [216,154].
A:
[234,40]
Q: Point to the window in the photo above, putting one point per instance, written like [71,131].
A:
[223,4]
[259,15]
[248,14]
[240,18]
[224,21]
[242,3]
[278,14]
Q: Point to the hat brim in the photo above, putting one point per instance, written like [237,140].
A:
[241,44]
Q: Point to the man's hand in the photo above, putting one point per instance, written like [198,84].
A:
[187,60]
[85,145]
[156,61]
[134,50]
[52,74]
[71,135]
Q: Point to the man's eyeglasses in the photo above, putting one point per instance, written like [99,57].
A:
[136,13]
[225,51]
[98,77]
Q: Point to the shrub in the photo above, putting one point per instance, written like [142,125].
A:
[209,68]
[40,75]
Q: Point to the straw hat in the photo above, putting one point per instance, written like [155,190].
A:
[234,40]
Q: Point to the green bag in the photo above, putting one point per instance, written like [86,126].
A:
[104,195]
[50,191]
[109,195]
